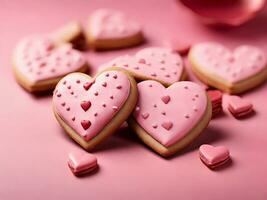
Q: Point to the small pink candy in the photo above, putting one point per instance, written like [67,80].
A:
[238,106]
[82,162]
[213,156]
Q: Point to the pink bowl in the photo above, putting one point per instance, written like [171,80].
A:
[225,12]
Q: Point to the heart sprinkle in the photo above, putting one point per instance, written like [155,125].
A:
[85,105]
[143,61]
[104,84]
[145,115]
[85,124]
[167,125]
[166,99]
[87,85]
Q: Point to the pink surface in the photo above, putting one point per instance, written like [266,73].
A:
[36,59]
[244,62]
[34,148]
[169,114]
[112,24]
[95,106]
[155,63]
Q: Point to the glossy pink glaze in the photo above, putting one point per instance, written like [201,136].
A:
[211,155]
[112,24]
[169,121]
[154,62]
[106,95]
[36,59]
[81,161]
[244,62]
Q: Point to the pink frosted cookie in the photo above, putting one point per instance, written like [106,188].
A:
[168,119]
[90,109]
[212,156]
[38,65]
[239,107]
[111,29]
[154,63]
[81,163]
[70,33]
[231,71]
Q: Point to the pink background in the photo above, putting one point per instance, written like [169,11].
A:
[33,147]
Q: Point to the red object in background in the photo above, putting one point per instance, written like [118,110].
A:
[225,12]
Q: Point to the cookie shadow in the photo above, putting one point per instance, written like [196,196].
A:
[89,174]
[225,166]
[219,115]
[247,116]
[210,135]
[121,139]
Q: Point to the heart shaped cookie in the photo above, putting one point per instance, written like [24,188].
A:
[160,64]
[111,29]
[168,119]
[90,109]
[213,156]
[38,66]
[232,72]
[72,33]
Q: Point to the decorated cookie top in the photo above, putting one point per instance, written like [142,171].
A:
[156,63]
[168,114]
[244,62]
[88,105]
[110,24]
[37,59]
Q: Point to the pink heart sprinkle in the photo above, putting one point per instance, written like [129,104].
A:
[145,115]
[85,124]
[166,99]
[87,85]
[167,125]
[85,105]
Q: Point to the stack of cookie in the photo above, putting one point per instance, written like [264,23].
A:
[216,101]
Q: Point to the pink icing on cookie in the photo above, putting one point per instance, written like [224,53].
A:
[157,63]
[91,112]
[211,155]
[37,59]
[168,123]
[112,24]
[244,62]
[80,161]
